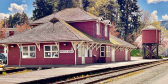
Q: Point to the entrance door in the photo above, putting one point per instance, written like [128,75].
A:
[113,55]
[126,55]
[83,54]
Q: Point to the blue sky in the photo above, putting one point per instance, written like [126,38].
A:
[158,8]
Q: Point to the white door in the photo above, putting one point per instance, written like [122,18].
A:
[126,55]
[83,54]
[113,55]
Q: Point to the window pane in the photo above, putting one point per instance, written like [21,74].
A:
[102,48]
[79,52]
[25,49]
[54,48]
[102,53]
[32,48]
[47,54]
[25,55]
[54,54]
[32,55]
[47,48]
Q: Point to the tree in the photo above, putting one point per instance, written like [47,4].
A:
[42,9]
[17,18]
[23,27]
[113,30]
[2,30]
[108,9]
[129,20]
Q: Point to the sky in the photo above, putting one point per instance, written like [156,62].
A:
[158,8]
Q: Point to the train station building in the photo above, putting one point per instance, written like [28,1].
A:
[68,37]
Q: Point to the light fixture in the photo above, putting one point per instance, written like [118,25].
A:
[65,44]
[12,46]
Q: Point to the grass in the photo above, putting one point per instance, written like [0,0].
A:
[136,53]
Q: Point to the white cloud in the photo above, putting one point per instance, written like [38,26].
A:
[165,17]
[154,15]
[17,8]
[161,20]
[155,1]
[23,1]
[2,15]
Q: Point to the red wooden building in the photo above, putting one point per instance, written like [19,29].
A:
[68,37]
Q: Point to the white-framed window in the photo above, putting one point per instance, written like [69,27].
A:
[86,52]
[29,51]
[105,30]
[98,28]
[102,51]
[89,52]
[107,51]
[51,51]
[79,52]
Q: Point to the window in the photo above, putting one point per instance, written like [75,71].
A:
[51,51]
[98,28]
[79,52]
[106,30]
[90,53]
[107,51]
[102,53]
[86,54]
[29,52]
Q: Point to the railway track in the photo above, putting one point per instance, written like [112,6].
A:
[91,79]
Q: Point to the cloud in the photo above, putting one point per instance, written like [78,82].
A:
[155,1]
[17,8]
[165,17]
[23,1]
[2,15]
[154,15]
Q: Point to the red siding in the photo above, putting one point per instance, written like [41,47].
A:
[90,28]
[1,49]
[64,58]
[149,36]
[119,55]
[87,27]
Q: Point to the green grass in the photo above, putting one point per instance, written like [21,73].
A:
[136,53]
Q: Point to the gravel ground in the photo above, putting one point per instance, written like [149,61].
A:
[140,78]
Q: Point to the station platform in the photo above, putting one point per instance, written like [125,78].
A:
[66,70]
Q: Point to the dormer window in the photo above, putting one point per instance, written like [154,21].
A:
[105,30]
[98,28]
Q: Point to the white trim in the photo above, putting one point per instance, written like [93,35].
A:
[98,46]
[105,30]
[126,55]
[98,28]
[113,55]
[107,51]
[38,46]
[28,46]
[102,51]
[51,51]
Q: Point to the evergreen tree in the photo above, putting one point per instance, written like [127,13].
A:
[129,20]
[42,9]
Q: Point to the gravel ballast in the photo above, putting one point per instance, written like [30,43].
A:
[140,78]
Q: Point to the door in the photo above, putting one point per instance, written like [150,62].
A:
[113,55]
[83,54]
[126,55]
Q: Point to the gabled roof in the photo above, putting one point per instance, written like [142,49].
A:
[68,15]
[49,32]
[120,42]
